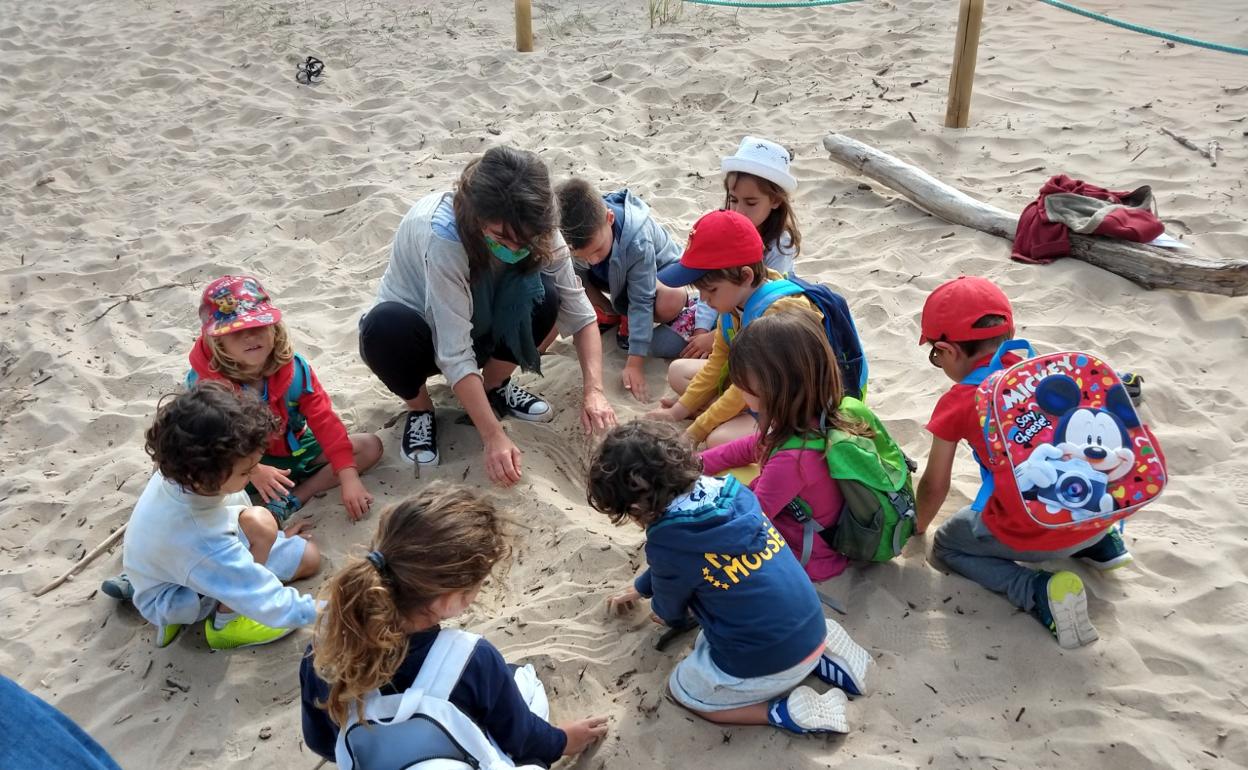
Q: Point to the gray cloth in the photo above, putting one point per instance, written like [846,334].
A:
[430,274]
[966,546]
[1083,214]
[642,250]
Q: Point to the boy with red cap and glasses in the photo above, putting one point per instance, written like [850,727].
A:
[724,260]
[965,321]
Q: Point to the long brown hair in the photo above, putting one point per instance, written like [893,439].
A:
[447,538]
[785,359]
[512,187]
[781,218]
[283,353]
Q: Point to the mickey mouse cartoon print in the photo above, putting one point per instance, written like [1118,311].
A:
[1090,448]
[1066,453]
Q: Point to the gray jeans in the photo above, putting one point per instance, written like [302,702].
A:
[969,549]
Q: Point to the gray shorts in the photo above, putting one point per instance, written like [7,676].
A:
[698,684]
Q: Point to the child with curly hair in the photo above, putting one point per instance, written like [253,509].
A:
[713,554]
[195,548]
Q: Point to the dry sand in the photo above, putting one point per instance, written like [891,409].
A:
[150,146]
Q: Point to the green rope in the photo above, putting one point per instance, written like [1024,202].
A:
[786,4]
[1142,29]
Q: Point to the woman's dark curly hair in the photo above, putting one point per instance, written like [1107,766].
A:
[200,434]
[639,469]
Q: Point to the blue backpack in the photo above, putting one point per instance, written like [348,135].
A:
[838,324]
[300,384]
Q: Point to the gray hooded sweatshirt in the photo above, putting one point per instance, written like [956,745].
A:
[641,248]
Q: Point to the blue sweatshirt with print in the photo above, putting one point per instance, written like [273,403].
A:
[713,553]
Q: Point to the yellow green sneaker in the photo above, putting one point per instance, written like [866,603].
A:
[1061,604]
[241,632]
[166,634]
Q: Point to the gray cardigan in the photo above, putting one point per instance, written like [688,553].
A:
[429,273]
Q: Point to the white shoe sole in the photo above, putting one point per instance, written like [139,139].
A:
[811,711]
[1070,618]
[1108,566]
[546,416]
[850,656]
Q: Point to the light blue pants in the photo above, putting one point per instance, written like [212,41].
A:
[969,549]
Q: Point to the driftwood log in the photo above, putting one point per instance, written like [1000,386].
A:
[1149,266]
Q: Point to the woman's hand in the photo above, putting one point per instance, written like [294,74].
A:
[700,345]
[624,601]
[272,483]
[597,414]
[355,497]
[582,733]
[502,460]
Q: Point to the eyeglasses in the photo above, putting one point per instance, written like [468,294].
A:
[932,356]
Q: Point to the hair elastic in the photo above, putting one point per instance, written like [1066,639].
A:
[376,559]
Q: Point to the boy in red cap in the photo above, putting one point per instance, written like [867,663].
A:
[964,321]
[724,260]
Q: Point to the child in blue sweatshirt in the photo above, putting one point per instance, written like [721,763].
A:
[618,250]
[713,554]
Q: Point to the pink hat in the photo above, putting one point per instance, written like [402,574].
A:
[232,303]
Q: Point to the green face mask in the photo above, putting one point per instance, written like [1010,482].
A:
[504,254]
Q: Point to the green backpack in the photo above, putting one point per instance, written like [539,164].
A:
[874,475]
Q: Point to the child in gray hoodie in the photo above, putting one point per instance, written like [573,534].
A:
[618,249]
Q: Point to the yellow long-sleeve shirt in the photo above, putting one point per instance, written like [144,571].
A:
[705,386]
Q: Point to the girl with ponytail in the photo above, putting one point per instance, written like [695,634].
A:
[425,565]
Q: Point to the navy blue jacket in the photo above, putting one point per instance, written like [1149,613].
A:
[486,693]
[714,554]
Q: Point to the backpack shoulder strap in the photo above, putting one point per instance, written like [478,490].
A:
[765,295]
[759,301]
[445,663]
[300,380]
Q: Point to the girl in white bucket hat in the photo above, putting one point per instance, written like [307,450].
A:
[757,183]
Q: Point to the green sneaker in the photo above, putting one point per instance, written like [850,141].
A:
[166,634]
[1061,605]
[241,632]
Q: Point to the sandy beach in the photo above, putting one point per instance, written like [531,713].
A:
[149,146]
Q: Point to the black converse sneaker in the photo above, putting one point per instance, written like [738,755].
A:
[511,399]
[420,438]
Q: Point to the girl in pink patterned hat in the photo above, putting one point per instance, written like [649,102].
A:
[243,342]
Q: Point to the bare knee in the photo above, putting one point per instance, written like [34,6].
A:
[368,450]
[310,564]
[668,302]
[258,525]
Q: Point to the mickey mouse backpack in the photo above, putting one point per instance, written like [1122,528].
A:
[420,729]
[1067,453]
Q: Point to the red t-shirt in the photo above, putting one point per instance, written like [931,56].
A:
[955,419]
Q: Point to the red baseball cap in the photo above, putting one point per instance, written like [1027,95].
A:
[952,309]
[232,303]
[718,240]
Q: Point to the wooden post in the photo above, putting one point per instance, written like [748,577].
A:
[524,26]
[962,78]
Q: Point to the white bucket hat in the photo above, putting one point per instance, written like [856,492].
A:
[763,159]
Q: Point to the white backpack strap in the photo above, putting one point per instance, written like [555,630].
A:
[445,663]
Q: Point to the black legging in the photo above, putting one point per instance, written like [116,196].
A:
[397,343]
